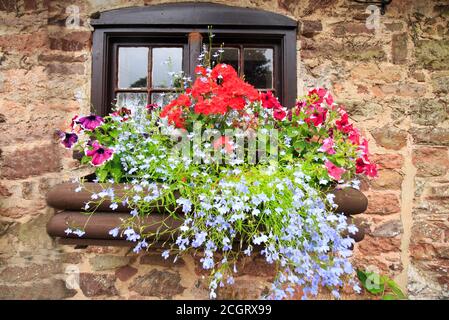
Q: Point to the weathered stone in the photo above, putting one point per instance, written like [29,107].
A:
[376,72]
[344,29]
[162,284]
[257,266]
[362,110]
[63,58]
[431,136]
[17,274]
[388,161]
[125,273]
[26,162]
[74,41]
[399,48]
[108,262]
[422,286]
[429,231]
[431,161]
[372,246]
[4,227]
[382,203]
[422,251]
[4,192]
[60,68]
[390,137]
[9,5]
[387,179]
[394,26]
[407,90]
[33,234]
[440,83]
[429,112]
[94,285]
[389,229]
[244,289]
[30,5]
[157,260]
[433,54]
[440,192]
[53,289]
[72,258]
[309,28]
[419,76]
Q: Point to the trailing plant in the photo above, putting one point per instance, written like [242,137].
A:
[243,174]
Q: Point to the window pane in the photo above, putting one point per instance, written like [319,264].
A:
[258,67]
[133,67]
[162,98]
[131,99]
[227,55]
[166,62]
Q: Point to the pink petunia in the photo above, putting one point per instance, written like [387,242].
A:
[334,171]
[68,139]
[328,146]
[90,122]
[279,114]
[99,154]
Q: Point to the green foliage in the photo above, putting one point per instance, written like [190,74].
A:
[380,285]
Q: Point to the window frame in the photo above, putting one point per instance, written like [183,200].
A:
[188,22]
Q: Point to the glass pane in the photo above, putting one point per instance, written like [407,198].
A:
[166,62]
[133,68]
[162,98]
[131,99]
[258,67]
[226,55]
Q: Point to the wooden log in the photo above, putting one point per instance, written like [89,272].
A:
[98,225]
[64,197]
[350,201]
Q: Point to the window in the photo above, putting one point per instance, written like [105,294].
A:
[135,50]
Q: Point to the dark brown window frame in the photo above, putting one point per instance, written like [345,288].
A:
[187,22]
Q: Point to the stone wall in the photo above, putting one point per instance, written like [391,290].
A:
[394,81]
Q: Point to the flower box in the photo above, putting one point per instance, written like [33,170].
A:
[69,211]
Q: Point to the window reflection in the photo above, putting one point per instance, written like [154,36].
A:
[226,55]
[133,67]
[166,63]
[131,99]
[258,67]
[162,98]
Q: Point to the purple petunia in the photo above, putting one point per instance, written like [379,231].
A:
[90,122]
[99,154]
[68,139]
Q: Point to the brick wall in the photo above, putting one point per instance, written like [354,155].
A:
[394,81]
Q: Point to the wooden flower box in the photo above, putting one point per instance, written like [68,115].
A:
[69,212]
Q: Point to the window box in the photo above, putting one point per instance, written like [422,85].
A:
[68,205]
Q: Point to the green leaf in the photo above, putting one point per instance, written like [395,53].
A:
[362,277]
[396,290]
[388,297]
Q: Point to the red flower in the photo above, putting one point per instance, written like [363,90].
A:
[319,95]
[200,70]
[279,114]
[269,101]
[363,165]
[317,117]
[223,71]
